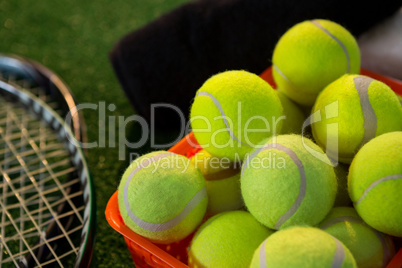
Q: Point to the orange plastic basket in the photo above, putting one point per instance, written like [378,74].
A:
[148,254]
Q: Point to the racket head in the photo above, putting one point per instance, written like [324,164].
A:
[52,120]
[46,85]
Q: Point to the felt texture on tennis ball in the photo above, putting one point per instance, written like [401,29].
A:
[370,248]
[283,184]
[162,197]
[233,111]
[312,54]
[223,182]
[228,239]
[302,247]
[294,120]
[351,111]
[375,183]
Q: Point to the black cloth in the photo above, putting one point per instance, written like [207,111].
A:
[167,60]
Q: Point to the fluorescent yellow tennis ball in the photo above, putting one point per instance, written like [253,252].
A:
[302,247]
[232,112]
[312,54]
[375,183]
[162,197]
[223,182]
[294,120]
[283,184]
[228,239]
[351,111]
[370,248]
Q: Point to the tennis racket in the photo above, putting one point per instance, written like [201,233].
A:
[44,84]
[47,213]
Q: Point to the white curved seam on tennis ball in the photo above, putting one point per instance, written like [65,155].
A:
[290,82]
[337,220]
[336,262]
[339,257]
[263,255]
[362,84]
[303,182]
[198,197]
[219,106]
[281,73]
[377,182]
[342,45]
[333,221]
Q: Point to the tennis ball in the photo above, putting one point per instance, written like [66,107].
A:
[162,197]
[294,120]
[228,239]
[312,54]
[232,112]
[283,184]
[375,183]
[370,248]
[302,247]
[223,182]
[342,196]
[351,111]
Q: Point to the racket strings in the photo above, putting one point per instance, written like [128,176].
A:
[26,134]
[14,258]
[22,82]
[18,170]
[34,196]
[37,174]
[41,212]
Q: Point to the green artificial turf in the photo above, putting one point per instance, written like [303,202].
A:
[73,38]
